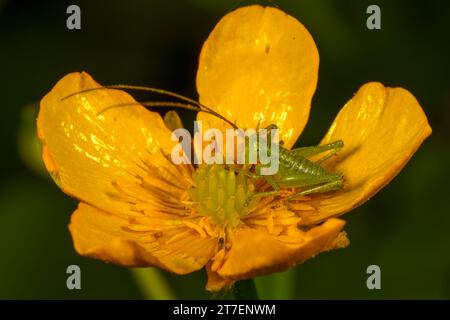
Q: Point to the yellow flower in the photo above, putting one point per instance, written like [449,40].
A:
[259,65]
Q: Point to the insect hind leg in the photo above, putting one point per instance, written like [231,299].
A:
[335,147]
[275,190]
[326,187]
[307,152]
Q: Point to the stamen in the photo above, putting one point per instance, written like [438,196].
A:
[221,193]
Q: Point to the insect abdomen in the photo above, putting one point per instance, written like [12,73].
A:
[300,164]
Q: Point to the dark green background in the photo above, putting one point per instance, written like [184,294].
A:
[404,229]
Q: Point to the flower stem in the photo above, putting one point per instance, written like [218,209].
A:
[245,290]
[152,284]
[284,285]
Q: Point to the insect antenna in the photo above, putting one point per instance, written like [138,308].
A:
[190,105]
[151,104]
[180,105]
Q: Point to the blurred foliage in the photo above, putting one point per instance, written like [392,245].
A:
[28,144]
[404,229]
[153,284]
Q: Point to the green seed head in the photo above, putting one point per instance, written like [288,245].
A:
[221,193]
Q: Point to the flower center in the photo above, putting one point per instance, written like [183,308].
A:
[221,193]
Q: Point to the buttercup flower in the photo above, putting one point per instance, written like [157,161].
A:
[259,66]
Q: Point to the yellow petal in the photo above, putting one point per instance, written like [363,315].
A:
[259,65]
[215,281]
[255,252]
[87,151]
[381,128]
[98,234]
